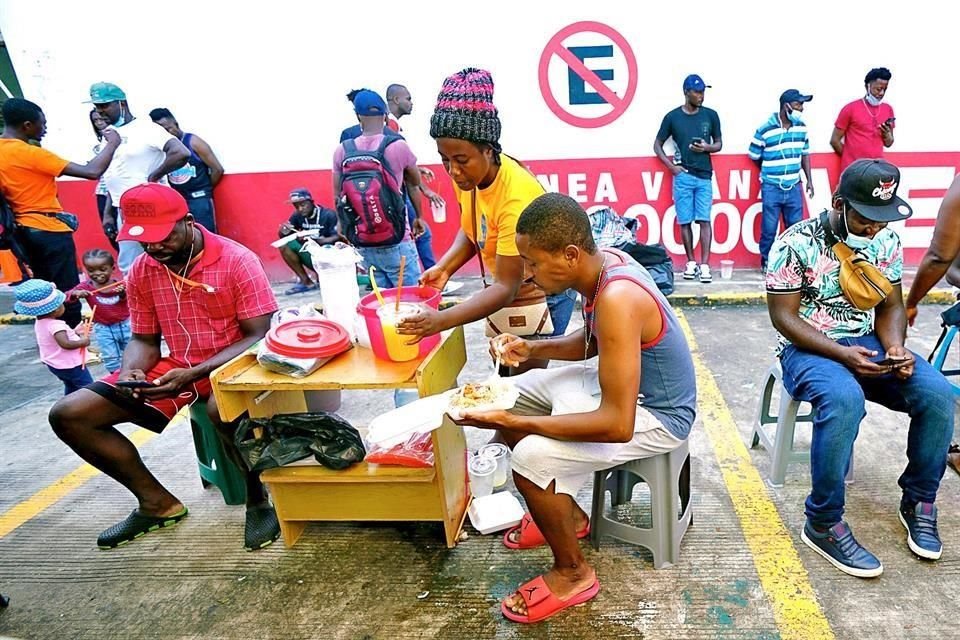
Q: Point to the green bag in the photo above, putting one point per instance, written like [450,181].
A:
[286,438]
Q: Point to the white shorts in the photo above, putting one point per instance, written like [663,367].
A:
[576,389]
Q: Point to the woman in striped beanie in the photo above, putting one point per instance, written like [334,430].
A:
[492,190]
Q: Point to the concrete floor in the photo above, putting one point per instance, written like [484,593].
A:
[398,581]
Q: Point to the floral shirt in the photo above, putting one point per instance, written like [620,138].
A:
[802,260]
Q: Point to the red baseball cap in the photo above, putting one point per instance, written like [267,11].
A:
[150,212]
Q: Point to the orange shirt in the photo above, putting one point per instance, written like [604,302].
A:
[28,177]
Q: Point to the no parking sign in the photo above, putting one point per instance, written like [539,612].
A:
[588,96]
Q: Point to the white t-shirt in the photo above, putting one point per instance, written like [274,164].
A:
[139,154]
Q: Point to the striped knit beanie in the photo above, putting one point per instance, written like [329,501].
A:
[465,109]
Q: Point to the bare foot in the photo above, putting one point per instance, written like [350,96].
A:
[563,584]
[580,522]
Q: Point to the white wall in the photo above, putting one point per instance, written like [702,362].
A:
[264,82]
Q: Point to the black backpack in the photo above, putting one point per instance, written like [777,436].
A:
[371,207]
[8,237]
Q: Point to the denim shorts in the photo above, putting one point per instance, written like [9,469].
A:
[692,198]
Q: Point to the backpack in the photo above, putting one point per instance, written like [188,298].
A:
[8,237]
[371,208]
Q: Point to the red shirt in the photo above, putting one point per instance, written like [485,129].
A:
[111,307]
[197,323]
[860,124]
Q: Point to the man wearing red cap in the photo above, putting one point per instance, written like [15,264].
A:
[210,299]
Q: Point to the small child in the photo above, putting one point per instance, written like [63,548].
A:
[60,346]
[108,298]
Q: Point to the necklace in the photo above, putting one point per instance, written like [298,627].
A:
[587,333]
[873,113]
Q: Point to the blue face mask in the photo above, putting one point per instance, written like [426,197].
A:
[794,116]
[852,240]
[872,101]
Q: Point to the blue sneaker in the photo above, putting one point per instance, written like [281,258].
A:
[920,521]
[842,550]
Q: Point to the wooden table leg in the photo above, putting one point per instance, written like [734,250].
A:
[450,461]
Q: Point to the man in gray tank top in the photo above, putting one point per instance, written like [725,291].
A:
[633,395]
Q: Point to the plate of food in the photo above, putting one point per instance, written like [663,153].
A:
[490,395]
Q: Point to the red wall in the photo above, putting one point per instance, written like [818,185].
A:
[251,206]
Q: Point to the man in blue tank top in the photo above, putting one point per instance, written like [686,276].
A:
[197,179]
[633,395]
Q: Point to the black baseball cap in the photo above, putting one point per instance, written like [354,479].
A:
[793,95]
[870,186]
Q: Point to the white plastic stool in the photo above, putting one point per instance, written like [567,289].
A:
[780,445]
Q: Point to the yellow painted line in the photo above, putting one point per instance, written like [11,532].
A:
[53,493]
[795,608]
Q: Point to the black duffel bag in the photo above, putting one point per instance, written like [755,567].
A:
[286,438]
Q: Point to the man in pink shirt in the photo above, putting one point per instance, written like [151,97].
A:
[402,165]
[210,299]
[865,126]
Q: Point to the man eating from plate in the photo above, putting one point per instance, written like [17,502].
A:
[574,420]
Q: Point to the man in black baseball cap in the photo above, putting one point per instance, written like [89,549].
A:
[836,355]
[870,187]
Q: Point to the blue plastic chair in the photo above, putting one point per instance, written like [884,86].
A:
[939,358]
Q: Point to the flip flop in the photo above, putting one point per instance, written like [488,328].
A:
[134,526]
[953,457]
[261,528]
[542,604]
[531,536]
[299,288]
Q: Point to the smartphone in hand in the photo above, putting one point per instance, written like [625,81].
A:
[134,384]
[893,362]
[889,121]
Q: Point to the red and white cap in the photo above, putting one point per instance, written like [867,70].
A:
[150,211]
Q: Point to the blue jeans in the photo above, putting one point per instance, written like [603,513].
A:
[424,242]
[776,203]
[72,379]
[112,340]
[387,263]
[561,308]
[202,211]
[692,198]
[838,398]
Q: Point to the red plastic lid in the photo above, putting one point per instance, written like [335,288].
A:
[308,338]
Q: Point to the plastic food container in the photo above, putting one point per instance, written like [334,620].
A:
[300,347]
[481,472]
[500,454]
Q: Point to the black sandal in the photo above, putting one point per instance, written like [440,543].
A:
[134,526]
[262,528]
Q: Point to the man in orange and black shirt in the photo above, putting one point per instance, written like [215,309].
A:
[28,176]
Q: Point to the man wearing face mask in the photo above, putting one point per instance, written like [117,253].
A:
[210,299]
[835,356]
[147,153]
[865,126]
[781,148]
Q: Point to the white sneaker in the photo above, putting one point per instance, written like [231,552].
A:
[690,273]
[705,275]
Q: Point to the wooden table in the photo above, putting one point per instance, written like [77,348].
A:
[304,493]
